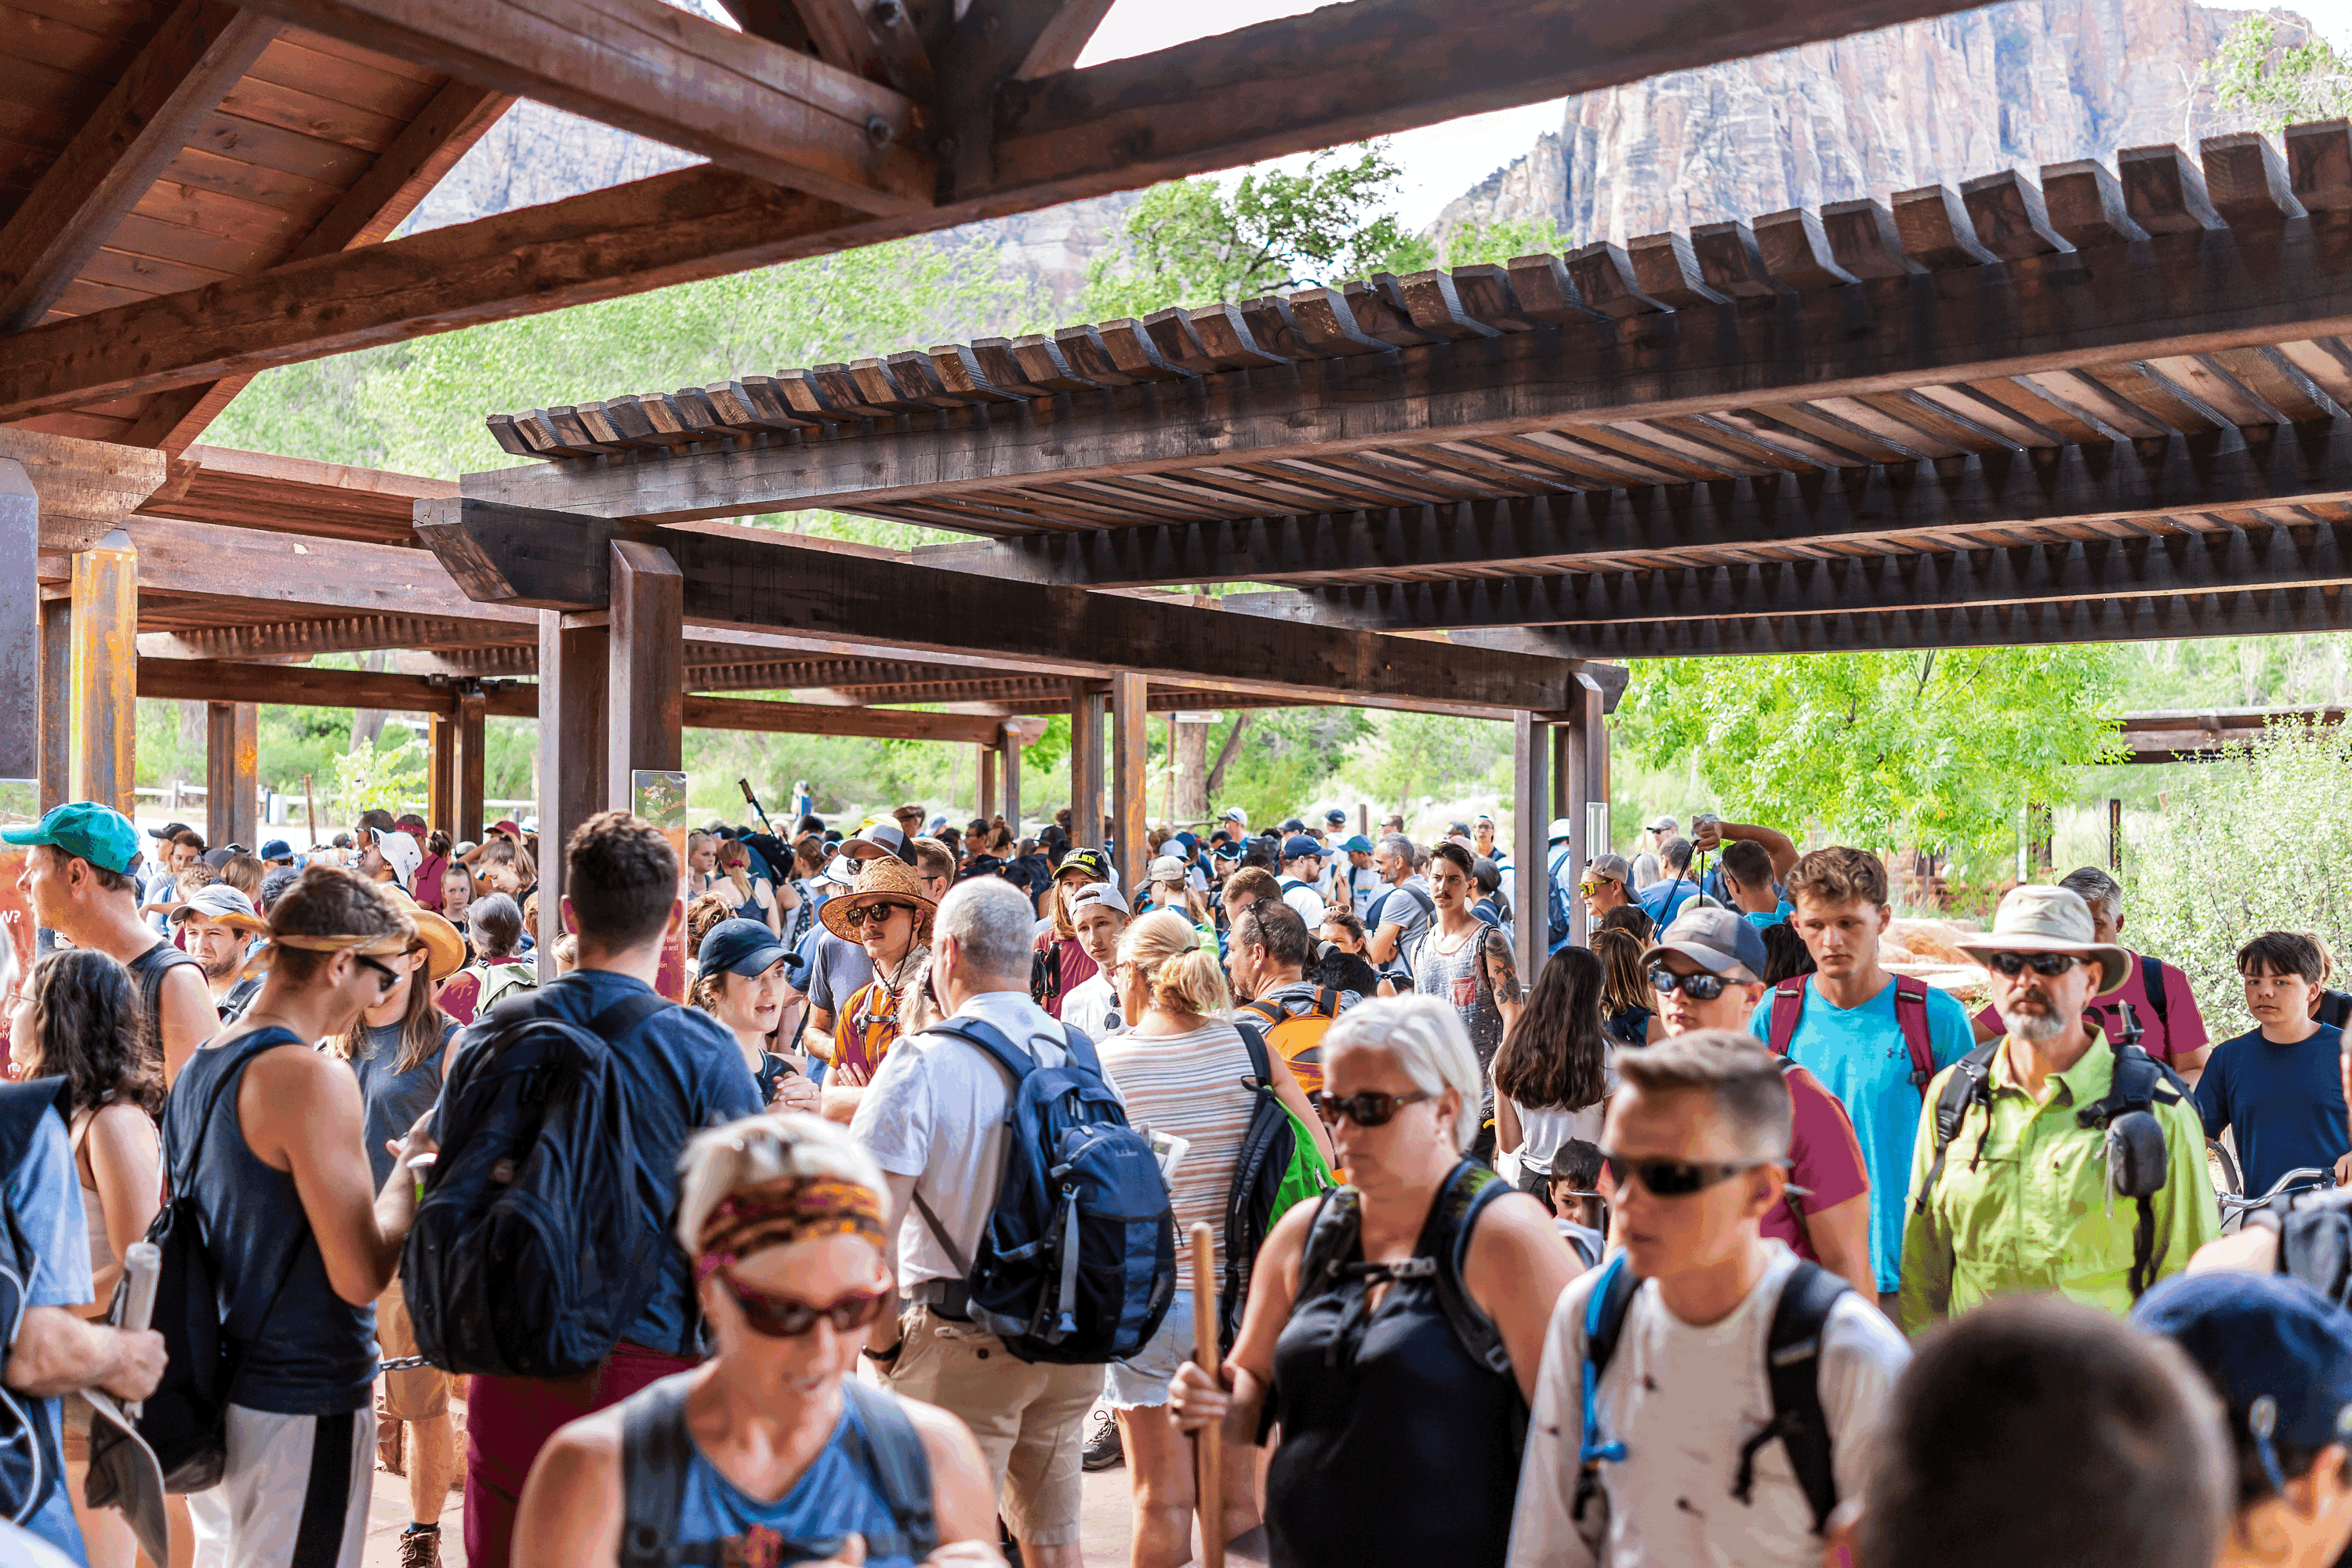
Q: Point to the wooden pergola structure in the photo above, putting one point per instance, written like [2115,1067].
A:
[2188,735]
[2106,404]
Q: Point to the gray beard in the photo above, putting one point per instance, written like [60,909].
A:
[2035,1028]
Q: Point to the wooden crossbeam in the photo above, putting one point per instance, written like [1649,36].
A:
[2225,560]
[2174,294]
[664,72]
[296,577]
[509,557]
[201,51]
[2143,480]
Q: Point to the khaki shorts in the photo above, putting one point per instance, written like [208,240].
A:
[416,1395]
[1029,1418]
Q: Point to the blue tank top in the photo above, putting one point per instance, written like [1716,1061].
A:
[302,1349]
[841,1493]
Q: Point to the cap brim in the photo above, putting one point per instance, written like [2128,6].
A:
[30,835]
[1712,960]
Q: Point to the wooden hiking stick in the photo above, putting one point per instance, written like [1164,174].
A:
[1208,1454]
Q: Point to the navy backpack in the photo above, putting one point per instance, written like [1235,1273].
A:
[1077,1262]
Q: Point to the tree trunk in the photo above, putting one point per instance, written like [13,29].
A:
[1225,755]
[367,723]
[1191,774]
[195,739]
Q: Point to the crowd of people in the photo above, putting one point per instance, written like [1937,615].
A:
[1712,1240]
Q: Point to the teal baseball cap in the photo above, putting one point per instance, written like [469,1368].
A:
[85,830]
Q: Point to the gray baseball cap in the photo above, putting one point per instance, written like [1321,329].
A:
[213,900]
[1612,868]
[1720,942]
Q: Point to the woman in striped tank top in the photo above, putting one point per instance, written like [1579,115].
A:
[1181,1068]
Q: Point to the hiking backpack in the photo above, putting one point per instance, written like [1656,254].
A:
[539,1236]
[1340,1222]
[1278,1166]
[2134,1148]
[1400,965]
[1077,1265]
[29,1440]
[1788,1005]
[1557,910]
[1298,1034]
[1792,1359]
[656,1448]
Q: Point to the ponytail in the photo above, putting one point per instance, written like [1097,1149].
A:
[1182,975]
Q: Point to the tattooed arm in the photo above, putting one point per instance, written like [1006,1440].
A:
[1503,974]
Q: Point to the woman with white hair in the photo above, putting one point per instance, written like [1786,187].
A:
[1395,1330]
[771,1451]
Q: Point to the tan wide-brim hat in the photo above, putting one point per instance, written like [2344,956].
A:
[2041,919]
[445,950]
[883,880]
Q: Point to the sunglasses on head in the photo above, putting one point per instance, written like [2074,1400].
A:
[2047,965]
[864,912]
[784,1318]
[1366,1109]
[1699,988]
[1678,1178]
[386,977]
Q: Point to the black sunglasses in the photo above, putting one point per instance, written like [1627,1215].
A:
[386,977]
[1697,987]
[1678,1178]
[878,913]
[1366,1109]
[784,1317]
[2047,965]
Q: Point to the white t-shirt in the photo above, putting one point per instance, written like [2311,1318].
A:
[936,1111]
[1092,1007]
[1309,901]
[1682,1400]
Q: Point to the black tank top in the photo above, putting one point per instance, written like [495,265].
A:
[148,971]
[1399,1447]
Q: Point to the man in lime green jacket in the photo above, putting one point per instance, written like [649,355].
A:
[2022,1203]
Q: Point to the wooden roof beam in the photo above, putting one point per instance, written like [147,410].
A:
[661,71]
[288,578]
[513,557]
[201,51]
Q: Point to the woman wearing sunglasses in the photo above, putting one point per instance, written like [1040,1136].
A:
[886,913]
[1400,1436]
[771,1451]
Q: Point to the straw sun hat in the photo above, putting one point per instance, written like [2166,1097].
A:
[886,878]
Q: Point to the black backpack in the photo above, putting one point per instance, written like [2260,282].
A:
[1792,1359]
[2134,1138]
[1332,1240]
[1267,1150]
[539,1236]
[656,1449]
[29,1443]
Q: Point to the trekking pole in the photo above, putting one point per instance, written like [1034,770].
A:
[745,786]
[1209,1447]
[142,1262]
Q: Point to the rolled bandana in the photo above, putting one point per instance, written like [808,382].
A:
[383,945]
[779,1213]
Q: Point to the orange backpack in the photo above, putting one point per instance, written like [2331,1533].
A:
[1296,1029]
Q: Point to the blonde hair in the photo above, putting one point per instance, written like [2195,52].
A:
[1180,975]
[736,861]
[761,1149]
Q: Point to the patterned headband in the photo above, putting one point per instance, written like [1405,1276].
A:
[779,1213]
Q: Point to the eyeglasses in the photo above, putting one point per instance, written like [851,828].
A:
[1678,1178]
[386,977]
[875,913]
[783,1318]
[1366,1109]
[1697,987]
[2048,966]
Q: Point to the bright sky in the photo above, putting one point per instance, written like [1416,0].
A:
[1440,162]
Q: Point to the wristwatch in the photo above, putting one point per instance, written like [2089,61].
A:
[884,1358]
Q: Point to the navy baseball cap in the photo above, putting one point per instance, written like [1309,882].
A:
[278,850]
[2277,1352]
[1188,841]
[1335,816]
[1227,850]
[1293,847]
[740,947]
[86,831]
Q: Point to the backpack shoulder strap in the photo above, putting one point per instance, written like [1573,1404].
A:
[893,1453]
[2152,982]
[1327,1002]
[1471,1188]
[1604,1321]
[1787,1006]
[655,1453]
[1965,1086]
[1911,1018]
[1254,1043]
[1792,1361]
[1265,1014]
[625,1014]
[1338,1217]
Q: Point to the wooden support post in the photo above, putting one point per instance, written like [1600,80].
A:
[441,775]
[56,700]
[102,694]
[1130,735]
[1085,765]
[573,667]
[646,686]
[2115,836]
[1532,757]
[1573,792]
[20,625]
[1012,752]
[470,723]
[232,773]
[985,781]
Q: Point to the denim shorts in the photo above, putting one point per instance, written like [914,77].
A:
[1141,1380]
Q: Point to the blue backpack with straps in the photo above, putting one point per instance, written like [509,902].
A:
[1556,898]
[1076,1264]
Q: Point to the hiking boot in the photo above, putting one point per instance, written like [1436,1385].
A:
[421,1548]
[1103,1451]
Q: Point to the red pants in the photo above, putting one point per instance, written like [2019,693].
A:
[509,1419]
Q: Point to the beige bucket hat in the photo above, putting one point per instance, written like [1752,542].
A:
[2040,918]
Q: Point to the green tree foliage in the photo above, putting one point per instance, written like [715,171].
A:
[1403,759]
[1499,241]
[1940,749]
[2246,844]
[1194,242]
[389,775]
[2276,84]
